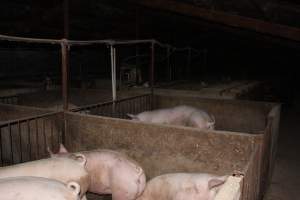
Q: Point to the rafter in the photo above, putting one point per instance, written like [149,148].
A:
[260,26]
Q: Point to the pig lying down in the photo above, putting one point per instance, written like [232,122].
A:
[31,188]
[61,169]
[179,115]
[111,173]
[183,186]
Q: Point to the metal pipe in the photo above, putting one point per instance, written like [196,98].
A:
[152,47]
[152,73]
[85,42]
[113,78]
[65,66]
[79,42]
[113,72]
[115,75]
[73,42]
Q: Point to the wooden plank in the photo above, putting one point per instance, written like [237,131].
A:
[257,25]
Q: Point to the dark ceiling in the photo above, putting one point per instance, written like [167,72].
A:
[282,12]
[127,19]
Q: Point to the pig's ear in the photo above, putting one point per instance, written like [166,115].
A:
[80,158]
[216,182]
[62,149]
[74,188]
[134,117]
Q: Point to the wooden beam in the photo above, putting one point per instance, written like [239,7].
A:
[220,17]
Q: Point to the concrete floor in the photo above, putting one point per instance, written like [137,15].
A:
[286,178]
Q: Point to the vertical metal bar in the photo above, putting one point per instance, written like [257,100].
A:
[59,133]
[113,76]
[51,134]
[29,138]
[45,138]
[65,68]
[152,69]
[37,138]
[11,144]
[112,53]
[20,141]
[152,66]
[1,159]
[64,131]
[137,49]
[66,18]
[145,103]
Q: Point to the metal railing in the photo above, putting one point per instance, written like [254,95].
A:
[27,139]
[119,108]
[13,99]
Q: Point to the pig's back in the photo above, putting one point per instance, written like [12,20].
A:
[28,188]
[61,169]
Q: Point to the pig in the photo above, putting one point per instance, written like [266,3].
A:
[60,169]
[111,173]
[180,115]
[30,188]
[183,186]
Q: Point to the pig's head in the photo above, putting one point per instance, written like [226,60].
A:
[131,175]
[211,123]
[206,190]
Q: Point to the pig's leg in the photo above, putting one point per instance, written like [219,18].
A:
[84,198]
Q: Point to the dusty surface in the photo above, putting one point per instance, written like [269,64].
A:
[31,94]
[285,184]
[11,112]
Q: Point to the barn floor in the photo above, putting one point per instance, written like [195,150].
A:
[286,178]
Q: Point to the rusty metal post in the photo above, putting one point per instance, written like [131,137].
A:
[113,77]
[152,47]
[138,76]
[65,69]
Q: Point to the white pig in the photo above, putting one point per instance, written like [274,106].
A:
[183,186]
[30,188]
[60,169]
[111,173]
[179,115]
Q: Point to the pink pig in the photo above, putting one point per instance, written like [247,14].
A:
[179,115]
[29,188]
[61,169]
[183,186]
[111,173]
